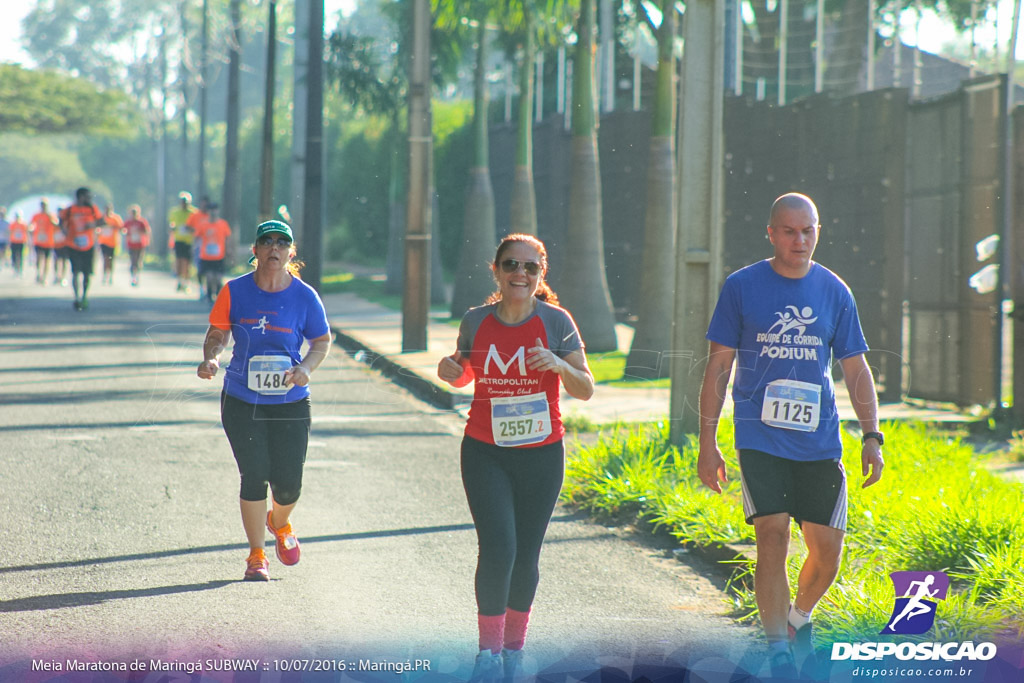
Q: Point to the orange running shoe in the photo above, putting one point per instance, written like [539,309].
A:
[256,566]
[287,544]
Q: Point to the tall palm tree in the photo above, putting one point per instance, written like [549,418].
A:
[473,277]
[584,288]
[653,332]
[232,173]
[266,199]
[534,23]
[523,203]
[375,82]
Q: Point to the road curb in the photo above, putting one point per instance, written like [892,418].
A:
[421,387]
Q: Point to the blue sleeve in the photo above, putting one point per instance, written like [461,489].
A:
[316,317]
[849,337]
[726,327]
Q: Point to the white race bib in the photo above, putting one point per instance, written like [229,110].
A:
[520,420]
[212,250]
[789,404]
[266,374]
[82,241]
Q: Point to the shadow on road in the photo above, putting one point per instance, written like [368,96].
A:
[136,425]
[62,600]
[324,538]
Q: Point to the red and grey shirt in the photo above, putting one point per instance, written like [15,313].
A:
[512,404]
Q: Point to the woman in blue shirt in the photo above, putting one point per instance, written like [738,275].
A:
[265,406]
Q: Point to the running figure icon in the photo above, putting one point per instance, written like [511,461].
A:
[915,605]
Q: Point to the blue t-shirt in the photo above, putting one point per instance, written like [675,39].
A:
[787,332]
[269,327]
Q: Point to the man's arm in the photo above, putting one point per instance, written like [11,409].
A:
[861,386]
[710,463]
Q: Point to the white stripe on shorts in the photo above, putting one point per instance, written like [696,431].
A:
[838,519]
[748,502]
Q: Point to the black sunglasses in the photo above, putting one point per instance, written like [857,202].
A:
[267,241]
[510,265]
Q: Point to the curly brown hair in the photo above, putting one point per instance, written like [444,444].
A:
[544,291]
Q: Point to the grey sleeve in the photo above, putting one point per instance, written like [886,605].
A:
[563,335]
[468,327]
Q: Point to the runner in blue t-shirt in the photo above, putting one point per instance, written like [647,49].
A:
[783,322]
[265,405]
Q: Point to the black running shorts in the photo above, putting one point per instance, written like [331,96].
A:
[809,491]
[81,261]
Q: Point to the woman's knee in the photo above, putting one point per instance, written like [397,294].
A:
[286,495]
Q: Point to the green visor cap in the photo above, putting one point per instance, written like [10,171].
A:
[274,226]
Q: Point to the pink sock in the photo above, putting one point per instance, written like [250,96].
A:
[515,628]
[491,630]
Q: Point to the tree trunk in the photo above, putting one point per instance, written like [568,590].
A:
[523,204]
[474,280]
[653,333]
[394,267]
[185,77]
[203,92]
[266,202]
[232,173]
[585,292]
[846,58]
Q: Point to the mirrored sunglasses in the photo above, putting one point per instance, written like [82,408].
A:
[267,241]
[511,265]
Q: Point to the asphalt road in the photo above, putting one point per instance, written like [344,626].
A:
[122,540]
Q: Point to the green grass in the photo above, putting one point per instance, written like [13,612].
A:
[1015,446]
[369,288]
[937,507]
[610,368]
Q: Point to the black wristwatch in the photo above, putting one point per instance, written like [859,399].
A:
[877,436]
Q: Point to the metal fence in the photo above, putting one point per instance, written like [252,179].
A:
[905,190]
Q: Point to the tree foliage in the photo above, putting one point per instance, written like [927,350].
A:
[49,102]
[370,70]
[34,165]
[86,37]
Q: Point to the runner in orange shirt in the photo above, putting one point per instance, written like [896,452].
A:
[201,215]
[109,231]
[80,221]
[5,234]
[61,252]
[211,236]
[19,238]
[137,233]
[43,226]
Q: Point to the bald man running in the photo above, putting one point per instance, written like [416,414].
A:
[783,322]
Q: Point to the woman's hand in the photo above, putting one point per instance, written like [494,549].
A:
[450,369]
[297,375]
[542,359]
[208,369]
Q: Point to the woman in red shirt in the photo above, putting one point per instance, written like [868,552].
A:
[43,225]
[519,347]
[19,238]
[136,236]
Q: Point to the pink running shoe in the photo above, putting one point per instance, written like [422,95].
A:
[287,544]
[256,566]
